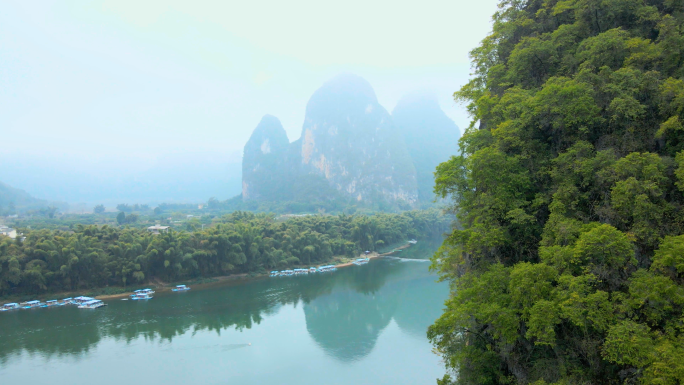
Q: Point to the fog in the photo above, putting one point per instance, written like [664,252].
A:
[122,102]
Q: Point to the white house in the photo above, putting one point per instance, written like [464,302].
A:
[8,232]
[156,229]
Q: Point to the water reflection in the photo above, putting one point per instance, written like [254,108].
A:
[345,312]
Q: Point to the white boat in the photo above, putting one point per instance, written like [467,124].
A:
[141,296]
[81,300]
[142,291]
[413,241]
[275,273]
[180,288]
[361,261]
[94,304]
[312,270]
[32,304]
[53,302]
[10,306]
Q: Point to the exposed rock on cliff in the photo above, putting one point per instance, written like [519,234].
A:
[350,139]
[430,136]
[349,150]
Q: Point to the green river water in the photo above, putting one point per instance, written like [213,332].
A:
[358,325]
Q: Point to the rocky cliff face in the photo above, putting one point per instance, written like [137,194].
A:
[350,139]
[351,149]
[430,136]
[264,161]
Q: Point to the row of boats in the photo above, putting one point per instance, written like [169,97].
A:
[311,270]
[144,294]
[81,302]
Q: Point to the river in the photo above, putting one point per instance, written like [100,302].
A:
[358,325]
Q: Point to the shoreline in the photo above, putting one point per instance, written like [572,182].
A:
[162,287]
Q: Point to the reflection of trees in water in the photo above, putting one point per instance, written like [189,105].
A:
[55,333]
[73,331]
[345,313]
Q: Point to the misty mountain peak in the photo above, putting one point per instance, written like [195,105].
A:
[263,154]
[343,95]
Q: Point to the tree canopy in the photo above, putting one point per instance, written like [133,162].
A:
[97,256]
[568,262]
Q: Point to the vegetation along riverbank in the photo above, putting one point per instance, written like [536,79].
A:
[112,259]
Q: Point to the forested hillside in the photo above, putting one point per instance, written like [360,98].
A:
[569,265]
[97,256]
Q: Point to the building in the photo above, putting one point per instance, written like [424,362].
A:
[156,229]
[8,232]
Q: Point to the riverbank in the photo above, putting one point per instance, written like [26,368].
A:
[167,287]
[162,287]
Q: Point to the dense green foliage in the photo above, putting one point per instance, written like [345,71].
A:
[97,256]
[569,265]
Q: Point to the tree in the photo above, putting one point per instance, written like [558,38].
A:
[121,218]
[124,208]
[568,198]
[213,203]
[131,218]
[99,209]
[91,256]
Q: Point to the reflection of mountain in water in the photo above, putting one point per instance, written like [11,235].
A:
[347,324]
[421,304]
[345,312]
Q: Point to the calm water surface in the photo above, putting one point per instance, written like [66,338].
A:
[359,325]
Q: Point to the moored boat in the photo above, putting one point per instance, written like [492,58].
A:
[326,268]
[361,261]
[141,296]
[275,273]
[31,304]
[81,300]
[180,288]
[10,306]
[94,304]
[53,302]
[148,292]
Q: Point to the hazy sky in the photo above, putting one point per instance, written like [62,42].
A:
[115,86]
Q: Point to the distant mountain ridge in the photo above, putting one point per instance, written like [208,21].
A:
[14,200]
[350,149]
[430,137]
